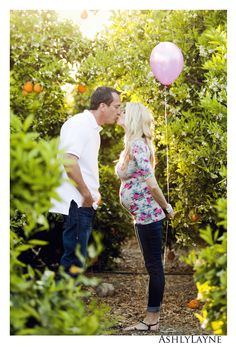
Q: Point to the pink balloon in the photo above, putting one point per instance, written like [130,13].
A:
[166,62]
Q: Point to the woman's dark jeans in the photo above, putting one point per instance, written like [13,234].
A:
[150,240]
[77,230]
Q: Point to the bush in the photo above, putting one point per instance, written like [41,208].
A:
[196,102]
[113,221]
[210,266]
[43,50]
[35,173]
[42,306]
[198,142]
[39,304]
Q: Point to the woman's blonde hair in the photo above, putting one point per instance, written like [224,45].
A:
[138,124]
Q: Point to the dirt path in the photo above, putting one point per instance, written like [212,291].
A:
[128,303]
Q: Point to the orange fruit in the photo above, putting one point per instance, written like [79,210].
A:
[28,87]
[194,304]
[38,88]
[194,217]
[81,88]
[84,14]
[24,92]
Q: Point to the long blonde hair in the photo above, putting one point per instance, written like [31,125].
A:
[138,125]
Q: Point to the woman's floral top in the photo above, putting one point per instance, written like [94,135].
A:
[135,195]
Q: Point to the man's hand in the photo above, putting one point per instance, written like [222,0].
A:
[88,200]
[99,199]
[74,172]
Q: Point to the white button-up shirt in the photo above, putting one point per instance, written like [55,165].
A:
[79,136]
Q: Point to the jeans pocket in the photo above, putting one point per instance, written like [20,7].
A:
[86,217]
[88,211]
[73,213]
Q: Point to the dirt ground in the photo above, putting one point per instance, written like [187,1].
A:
[128,302]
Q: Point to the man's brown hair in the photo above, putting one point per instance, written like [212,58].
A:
[102,95]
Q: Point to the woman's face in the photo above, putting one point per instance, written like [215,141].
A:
[121,119]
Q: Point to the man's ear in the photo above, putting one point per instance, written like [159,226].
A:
[102,106]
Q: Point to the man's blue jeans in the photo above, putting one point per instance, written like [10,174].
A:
[77,230]
[150,241]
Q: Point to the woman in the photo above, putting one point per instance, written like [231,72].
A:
[143,198]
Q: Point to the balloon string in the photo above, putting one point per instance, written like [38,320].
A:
[167,151]
[167,173]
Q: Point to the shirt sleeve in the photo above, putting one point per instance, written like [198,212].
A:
[73,139]
[141,154]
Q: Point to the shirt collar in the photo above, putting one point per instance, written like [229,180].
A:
[92,120]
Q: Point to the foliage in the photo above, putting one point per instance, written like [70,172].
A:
[200,138]
[113,222]
[47,52]
[196,102]
[43,51]
[40,305]
[210,266]
[119,57]
[35,173]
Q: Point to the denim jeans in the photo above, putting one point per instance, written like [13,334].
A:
[150,240]
[77,230]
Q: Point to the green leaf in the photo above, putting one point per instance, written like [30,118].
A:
[27,123]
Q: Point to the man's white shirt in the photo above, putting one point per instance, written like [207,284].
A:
[79,136]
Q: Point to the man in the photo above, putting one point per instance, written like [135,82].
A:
[80,139]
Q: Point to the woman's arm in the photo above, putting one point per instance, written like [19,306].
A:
[158,196]
[140,152]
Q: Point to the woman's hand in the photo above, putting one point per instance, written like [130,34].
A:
[169,211]
[170,215]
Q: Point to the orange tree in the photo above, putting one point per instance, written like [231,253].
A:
[196,111]
[43,50]
[196,102]
[210,274]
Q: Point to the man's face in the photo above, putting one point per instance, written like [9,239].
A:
[112,112]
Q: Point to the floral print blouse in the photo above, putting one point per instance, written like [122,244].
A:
[135,195]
